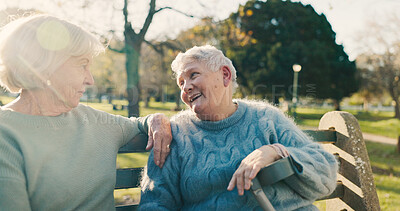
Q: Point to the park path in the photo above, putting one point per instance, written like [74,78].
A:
[367,136]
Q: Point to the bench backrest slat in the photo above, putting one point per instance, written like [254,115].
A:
[128,178]
[137,144]
[132,207]
[322,136]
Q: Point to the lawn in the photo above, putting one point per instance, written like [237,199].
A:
[379,123]
[385,161]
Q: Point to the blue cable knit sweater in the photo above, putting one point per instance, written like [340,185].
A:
[204,156]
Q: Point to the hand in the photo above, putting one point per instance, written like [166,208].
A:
[160,137]
[250,166]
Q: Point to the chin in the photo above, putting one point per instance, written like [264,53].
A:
[73,104]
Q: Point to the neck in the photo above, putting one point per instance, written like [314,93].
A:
[220,113]
[38,102]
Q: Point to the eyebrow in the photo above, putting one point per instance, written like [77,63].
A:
[83,60]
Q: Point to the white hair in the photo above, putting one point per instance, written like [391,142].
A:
[32,48]
[208,55]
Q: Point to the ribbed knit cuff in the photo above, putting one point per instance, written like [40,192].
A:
[280,149]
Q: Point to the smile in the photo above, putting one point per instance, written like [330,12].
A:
[194,97]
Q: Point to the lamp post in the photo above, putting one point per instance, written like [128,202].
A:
[296,70]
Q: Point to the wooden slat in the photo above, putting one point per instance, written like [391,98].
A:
[353,200]
[348,170]
[137,144]
[323,136]
[128,178]
[132,207]
[338,193]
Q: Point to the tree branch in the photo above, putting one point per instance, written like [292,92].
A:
[116,50]
[127,24]
[148,20]
[158,46]
[178,11]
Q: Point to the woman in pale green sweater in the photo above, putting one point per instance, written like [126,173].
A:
[57,154]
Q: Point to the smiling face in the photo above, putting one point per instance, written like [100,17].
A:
[207,93]
[69,81]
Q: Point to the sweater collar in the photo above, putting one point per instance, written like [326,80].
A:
[225,123]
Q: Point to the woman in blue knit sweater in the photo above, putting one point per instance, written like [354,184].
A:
[220,144]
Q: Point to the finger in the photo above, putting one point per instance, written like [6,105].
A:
[156,149]
[164,152]
[247,180]
[150,141]
[240,183]
[254,172]
[232,183]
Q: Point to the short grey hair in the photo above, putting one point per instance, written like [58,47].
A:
[32,48]
[208,55]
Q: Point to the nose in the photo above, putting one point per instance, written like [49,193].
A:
[88,78]
[187,87]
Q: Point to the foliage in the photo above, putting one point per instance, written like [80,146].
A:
[264,40]
[108,71]
[383,65]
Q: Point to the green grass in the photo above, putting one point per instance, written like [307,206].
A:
[379,123]
[385,163]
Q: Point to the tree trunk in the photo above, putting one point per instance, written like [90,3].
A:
[337,105]
[398,144]
[365,105]
[178,101]
[395,97]
[396,109]
[132,73]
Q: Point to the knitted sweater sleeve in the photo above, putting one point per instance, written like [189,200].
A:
[316,168]
[13,192]
[131,127]
[160,187]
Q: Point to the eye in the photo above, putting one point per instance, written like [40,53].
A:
[194,74]
[84,66]
[181,83]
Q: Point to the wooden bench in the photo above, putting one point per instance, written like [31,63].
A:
[340,134]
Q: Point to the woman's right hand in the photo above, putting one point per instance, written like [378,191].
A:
[160,137]
[250,166]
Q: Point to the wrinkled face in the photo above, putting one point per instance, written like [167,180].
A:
[202,90]
[70,80]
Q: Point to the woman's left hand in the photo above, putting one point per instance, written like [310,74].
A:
[160,137]
[250,166]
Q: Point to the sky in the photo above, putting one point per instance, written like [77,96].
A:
[348,18]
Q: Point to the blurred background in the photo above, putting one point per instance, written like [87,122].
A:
[306,57]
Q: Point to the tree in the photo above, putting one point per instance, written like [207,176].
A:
[271,36]
[369,81]
[381,41]
[132,50]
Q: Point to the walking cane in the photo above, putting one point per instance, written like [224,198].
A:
[269,175]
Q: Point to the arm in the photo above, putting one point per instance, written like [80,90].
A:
[13,192]
[160,187]
[316,169]
[158,128]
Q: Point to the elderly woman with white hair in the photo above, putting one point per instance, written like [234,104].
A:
[57,154]
[220,145]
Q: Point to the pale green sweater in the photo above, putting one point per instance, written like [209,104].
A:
[65,162]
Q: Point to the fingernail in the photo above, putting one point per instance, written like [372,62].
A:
[158,163]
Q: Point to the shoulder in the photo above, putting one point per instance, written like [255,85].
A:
[182,126]
[262,109]
[87,112]
[182,122]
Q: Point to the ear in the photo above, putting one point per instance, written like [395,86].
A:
[226,75]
